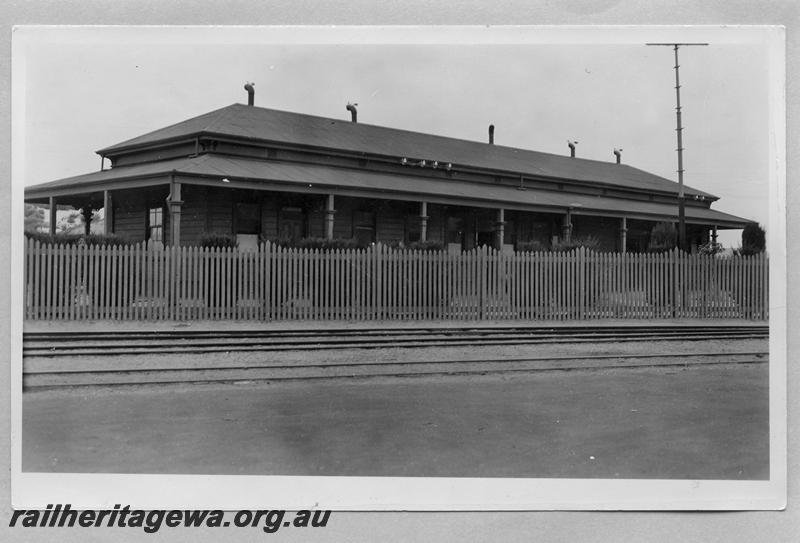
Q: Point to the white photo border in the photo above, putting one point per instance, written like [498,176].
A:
[419,494]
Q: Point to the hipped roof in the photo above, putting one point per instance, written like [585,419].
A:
[284,127]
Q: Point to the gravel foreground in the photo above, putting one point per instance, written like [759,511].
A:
[689,422]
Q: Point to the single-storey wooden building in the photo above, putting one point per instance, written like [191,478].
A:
[258,173]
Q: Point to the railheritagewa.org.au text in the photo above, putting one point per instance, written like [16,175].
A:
[64,516]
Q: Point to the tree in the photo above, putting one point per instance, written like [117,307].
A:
[34,218]
[69,221]
[754,239]
[664,237]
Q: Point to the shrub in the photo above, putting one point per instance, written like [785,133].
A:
[106,239]
[664,237]
[323,244]
[710,248]
[219,241]
[754,239]
[590,243]
[75,239]
[44,237]
[427,246]
[534,246]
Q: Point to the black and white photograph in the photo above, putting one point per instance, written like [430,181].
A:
[415,268]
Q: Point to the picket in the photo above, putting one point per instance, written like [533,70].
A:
[65,282]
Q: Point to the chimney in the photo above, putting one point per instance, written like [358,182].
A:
[251,93]
[491,134]
[353,112]
[618,154]
[572,145]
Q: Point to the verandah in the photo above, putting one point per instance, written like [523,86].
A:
[71,282]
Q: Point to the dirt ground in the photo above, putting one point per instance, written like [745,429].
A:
[694,422]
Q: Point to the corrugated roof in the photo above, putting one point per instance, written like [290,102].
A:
[269,125]
[319,178]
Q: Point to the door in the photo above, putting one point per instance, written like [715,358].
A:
[291,224]
[247,219]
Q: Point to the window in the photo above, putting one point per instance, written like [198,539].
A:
[155,224]
[413,228]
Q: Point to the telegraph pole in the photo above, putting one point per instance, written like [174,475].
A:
[679,131]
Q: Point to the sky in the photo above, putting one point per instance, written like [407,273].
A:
[83,89]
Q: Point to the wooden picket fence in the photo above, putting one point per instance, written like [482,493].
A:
[71,282]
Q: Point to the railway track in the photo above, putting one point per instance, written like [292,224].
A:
[104,344]
[268,371]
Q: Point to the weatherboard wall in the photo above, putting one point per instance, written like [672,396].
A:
[210,210]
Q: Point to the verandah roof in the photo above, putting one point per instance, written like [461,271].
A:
[305,178]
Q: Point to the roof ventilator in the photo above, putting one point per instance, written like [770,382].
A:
[353,112]
[251,93]
[572,145]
